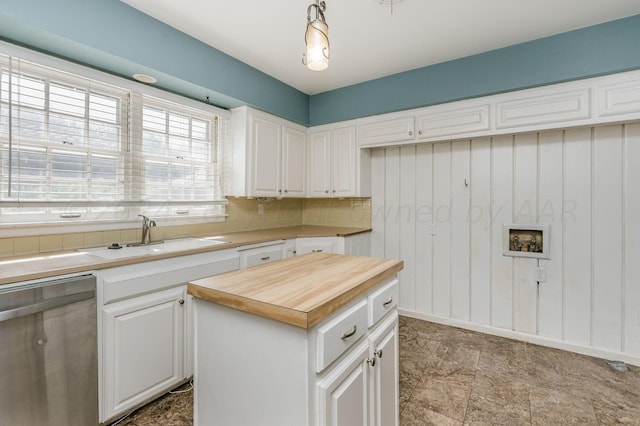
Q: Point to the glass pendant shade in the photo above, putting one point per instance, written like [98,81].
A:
[317,40]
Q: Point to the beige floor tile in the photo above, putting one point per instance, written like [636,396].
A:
[450,376]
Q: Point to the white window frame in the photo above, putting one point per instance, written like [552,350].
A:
[183,213]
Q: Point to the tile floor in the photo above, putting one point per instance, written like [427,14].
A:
[450,376]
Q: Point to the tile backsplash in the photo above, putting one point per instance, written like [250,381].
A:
[243,215]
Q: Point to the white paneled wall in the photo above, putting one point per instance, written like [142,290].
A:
[441,208]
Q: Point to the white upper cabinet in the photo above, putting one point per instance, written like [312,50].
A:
[600,100]
[266,162]
[269,155]
[294,159]
[337,167]
[319,164]
[382,132]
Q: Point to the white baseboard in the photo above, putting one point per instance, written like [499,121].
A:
[538,340]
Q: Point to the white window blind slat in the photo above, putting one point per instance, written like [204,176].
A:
[74,148]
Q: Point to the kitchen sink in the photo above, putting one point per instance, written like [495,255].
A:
[168,246]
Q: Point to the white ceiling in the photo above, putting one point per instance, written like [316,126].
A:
[367,40]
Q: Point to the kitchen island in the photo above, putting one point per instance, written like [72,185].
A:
[309,340]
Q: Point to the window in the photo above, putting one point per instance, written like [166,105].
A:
[76,149]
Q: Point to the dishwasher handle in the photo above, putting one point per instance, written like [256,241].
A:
[46,305]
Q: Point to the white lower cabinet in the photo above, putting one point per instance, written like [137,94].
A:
[343,396]
[143,348]
[146,333]
[341,372]
[363,388]
[385,393]
[320,244]
[261,253]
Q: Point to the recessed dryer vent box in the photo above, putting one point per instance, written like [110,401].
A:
[523,240]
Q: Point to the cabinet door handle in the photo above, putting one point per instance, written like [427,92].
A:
[265,258]
[286,190]
[387,302]
[419,132]
[349,333]
[372,361]
[181,301]
[410,133]
[378,353]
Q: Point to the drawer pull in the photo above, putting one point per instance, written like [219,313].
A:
[265,258]
[372,361]
[181,301]
[316,251]
[378,353]
[349,333]
[388,302]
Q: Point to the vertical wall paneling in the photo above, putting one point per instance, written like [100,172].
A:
[525,210]
[407,223]
[424,227]
[480,231]
[631,261]
[460,196]
[607,238]
[582,182]
[551,212]
[577,236]
[378,201]
[442,237]
[501,213]
[392,208]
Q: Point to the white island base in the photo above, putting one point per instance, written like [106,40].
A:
[342,370]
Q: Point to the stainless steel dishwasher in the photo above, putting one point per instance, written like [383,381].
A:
[48,353]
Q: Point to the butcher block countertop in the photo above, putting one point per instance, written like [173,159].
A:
[301,290]
[45,265]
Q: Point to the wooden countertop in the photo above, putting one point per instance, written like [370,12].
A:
[300,290]
[44,265]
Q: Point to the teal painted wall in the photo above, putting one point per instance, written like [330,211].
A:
[597,50]
[110,35]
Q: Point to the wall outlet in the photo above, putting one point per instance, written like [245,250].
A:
[541,275]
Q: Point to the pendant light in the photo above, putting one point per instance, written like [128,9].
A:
[317,39]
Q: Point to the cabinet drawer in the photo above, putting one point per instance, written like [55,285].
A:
[263,256]
[383,301]
[340,333]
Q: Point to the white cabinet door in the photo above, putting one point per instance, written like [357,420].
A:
[319,164]
[344,392]
[266,158]
[294,159]
[143,348]
[384,345]
[344,148]
[333,163]
[385,132]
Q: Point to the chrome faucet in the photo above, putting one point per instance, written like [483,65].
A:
[147,224]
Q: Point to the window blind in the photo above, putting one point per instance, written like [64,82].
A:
[73,148]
